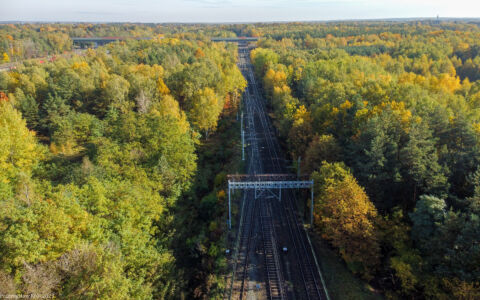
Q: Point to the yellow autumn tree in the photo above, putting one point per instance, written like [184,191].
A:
[344,215]
[462,289]
[321,148]
[301,131]
[273,79]
[269,80]
[204,110]
[445,82]
[5,57]
[401,113]
[19,151]
[169,107]
[162,87]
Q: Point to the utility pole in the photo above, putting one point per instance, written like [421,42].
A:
[241,123]
[243,137]
[311,206]
[298,165]
[243,145]
[229,209]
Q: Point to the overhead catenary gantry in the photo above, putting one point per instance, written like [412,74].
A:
[267,183]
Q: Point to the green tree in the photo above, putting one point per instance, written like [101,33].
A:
[115,93]
[404,260]
[428,215]
[29,108]
[420,164]
[262,60]
[376,159]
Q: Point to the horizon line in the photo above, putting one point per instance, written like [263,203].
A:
[398,19]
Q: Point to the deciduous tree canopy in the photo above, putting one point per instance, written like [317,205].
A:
[397,104]
[98,157]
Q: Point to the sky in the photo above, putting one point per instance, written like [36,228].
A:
[217,11]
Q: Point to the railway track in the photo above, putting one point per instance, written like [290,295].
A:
[277,220]
[246,238]
[313,289]
[274,279]
[273,274]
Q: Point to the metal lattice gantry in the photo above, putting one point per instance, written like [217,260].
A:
[267,183]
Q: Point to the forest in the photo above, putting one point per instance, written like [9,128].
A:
[386,120]
[114,159]
[108,189]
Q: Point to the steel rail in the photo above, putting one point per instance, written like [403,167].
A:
[272,264]
[297,234]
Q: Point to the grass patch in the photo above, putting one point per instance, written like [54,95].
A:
[341,283]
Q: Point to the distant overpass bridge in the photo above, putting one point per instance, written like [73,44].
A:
[239,40]
[87,42]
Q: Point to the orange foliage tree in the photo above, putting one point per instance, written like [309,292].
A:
[344,215]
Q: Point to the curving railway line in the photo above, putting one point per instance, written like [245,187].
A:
[260,269]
